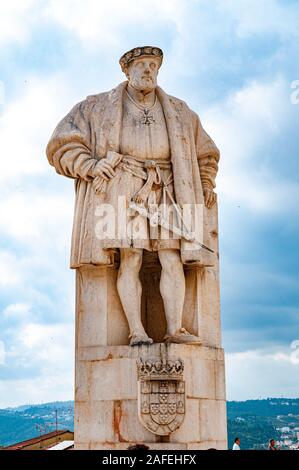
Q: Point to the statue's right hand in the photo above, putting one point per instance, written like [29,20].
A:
[104,169]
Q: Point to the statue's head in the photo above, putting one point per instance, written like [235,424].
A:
[141,66]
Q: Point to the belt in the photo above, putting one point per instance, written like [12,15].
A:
[148,170]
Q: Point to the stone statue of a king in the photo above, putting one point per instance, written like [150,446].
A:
[145,248]
[163,158]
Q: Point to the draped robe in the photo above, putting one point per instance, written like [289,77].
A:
[92,128]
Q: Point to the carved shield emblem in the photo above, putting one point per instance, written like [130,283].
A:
[161,397]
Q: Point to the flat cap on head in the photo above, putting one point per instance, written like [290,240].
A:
[145,51]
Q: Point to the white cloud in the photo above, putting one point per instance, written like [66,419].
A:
[37,215]
[48,342]
[47,349]
[104,22]
[9,276]
[261,373]
[16,20]
[241,125]
[254,17]
[18,310]
[51,386]
[26,123]
[2,353]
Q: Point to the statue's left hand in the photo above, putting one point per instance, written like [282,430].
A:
[210,197]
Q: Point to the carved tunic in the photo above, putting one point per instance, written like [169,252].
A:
[144,141]
[144,136]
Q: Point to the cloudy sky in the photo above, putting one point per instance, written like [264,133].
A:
[235,63]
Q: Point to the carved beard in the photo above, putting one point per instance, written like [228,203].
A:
[143,85]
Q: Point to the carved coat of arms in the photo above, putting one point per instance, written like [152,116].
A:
[161,395]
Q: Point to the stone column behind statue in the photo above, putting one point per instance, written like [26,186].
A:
[149,363]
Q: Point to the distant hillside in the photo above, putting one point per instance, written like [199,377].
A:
[257,421]
[254,421]
[25,422]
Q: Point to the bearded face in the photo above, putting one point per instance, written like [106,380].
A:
[142,73]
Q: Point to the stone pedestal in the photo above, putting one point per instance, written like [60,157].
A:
[106,411]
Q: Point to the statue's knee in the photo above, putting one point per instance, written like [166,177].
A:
[131,259]
[171,262]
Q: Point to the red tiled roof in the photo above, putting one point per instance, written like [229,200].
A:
[35,440]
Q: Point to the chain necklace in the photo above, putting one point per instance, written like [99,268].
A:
[145,116]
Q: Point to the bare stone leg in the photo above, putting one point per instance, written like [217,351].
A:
[172,288]
[129,290]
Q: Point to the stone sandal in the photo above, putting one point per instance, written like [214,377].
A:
[138,339]
[182,336]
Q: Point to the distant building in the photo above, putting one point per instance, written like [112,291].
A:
[285,429]
[64,445]
[294,447]
[43,442]
[288,442]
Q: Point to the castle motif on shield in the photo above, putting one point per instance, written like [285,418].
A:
[161,395]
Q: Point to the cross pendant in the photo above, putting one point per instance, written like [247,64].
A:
[147,118]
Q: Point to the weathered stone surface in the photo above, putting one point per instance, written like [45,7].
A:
[213,420]
[113,379]
[124,446]
[130,428]
[210,308]
[219,445]
[189,431]
[118,352]
[91,314]
[83,379]
[82,446]
[94,421]
[202,371]
[220,380]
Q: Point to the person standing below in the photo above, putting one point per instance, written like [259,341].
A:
[272,445]
[237,443]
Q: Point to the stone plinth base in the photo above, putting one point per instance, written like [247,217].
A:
[106,400]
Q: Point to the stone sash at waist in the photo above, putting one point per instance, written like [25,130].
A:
[148,170]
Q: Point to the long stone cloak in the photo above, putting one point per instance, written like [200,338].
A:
[92,128]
